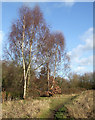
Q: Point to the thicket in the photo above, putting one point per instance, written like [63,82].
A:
[12,82]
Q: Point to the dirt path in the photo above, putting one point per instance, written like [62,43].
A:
[80,106]
[55,104]
[61,111]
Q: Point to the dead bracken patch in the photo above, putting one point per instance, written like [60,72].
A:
[82,106]
[24,108]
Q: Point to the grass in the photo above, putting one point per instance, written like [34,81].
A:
[55,104]
[62,112]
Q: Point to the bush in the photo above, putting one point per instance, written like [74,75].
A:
[72,90]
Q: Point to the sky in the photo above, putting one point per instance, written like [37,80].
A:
[73,19]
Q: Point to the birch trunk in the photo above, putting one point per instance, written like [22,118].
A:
[29,68]
[28,83]
[55,67]
[48,75]
[24,95]
[24,72]
[54,73]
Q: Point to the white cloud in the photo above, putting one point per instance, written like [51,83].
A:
[78,52]
[64,3]
[86,61]
[87,37]
[79,69]
[69,3]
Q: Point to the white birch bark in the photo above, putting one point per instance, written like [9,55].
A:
[24,72]
[48,75]
[55,67]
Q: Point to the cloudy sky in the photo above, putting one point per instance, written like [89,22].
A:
[75,20]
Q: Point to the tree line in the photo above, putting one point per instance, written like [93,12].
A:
[13,82]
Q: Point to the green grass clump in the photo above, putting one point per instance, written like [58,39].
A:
[63,109]
[61,113]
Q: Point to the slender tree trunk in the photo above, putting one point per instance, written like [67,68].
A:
[53,82]
[24,95]
[29,68]
[55,67]
[24,72]
[48,74]
[28,83]
[54,73]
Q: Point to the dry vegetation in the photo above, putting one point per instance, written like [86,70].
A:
[82,106]
[24,108]
[33,108]
[44,107]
